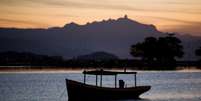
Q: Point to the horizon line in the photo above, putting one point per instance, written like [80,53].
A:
[86,23]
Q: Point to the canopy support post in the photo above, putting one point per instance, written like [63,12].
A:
[135,79]
[84,78]
[115,81]
[101,80]
[96,80]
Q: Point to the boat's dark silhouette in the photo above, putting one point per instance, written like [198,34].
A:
[78,91]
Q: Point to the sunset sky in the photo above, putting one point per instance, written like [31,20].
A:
[182,16]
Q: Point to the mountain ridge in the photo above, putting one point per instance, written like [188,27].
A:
[112,36]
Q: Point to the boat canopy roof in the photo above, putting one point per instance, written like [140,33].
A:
[103,72]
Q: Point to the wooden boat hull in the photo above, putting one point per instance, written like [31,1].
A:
[78,91]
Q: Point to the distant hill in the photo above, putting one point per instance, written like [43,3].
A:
[98,56]
[27,58]
[72,40]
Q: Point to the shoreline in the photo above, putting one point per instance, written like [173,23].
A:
[37,69]
[52,69]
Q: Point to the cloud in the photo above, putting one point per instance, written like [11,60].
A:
[185,29]
[65,4]
[182,2]
[113,6]
[97,5]
[36,13]
[183,26]
[176,20]
[22,22]
[74,4]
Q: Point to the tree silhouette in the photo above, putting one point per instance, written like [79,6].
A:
[146,50]
[163,49]
[169,48]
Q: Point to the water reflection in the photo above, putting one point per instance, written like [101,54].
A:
[166,86]
[127,100]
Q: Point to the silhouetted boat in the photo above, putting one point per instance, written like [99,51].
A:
[78,91]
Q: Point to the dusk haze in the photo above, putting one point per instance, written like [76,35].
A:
[182,16]
[100,50]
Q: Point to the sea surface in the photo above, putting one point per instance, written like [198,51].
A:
[46,86]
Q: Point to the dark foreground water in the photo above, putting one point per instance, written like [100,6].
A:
[166,86]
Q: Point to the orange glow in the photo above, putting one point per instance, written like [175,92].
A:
[167,15]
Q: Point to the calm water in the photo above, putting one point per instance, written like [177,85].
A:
[166,86]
